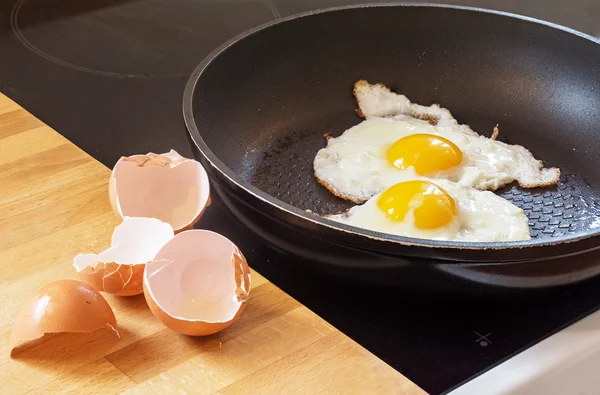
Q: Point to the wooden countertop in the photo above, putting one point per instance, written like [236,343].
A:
[53,205]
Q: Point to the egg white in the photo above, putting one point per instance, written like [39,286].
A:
[354,165]
[481,216]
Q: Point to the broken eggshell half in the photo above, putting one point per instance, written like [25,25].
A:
[62,306]
[166,186]
[119,269]
[198,283]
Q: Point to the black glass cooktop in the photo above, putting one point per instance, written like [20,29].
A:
[109,75]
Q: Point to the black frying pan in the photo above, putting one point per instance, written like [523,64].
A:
[258,106]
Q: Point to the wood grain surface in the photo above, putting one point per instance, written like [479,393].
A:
[53,205]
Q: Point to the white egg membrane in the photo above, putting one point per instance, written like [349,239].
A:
[193,277]
[135,241]
[175,193]
[354,165]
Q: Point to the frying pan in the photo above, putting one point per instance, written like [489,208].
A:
[258,106]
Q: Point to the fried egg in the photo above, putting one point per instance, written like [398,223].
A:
[401,141]
[439,210]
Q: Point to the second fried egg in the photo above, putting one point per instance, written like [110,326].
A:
[439,210]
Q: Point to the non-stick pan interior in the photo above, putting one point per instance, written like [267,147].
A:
[263,105]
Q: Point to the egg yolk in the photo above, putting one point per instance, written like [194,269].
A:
[433,206]
[425,152]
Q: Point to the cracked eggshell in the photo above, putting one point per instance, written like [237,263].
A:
[198,283]
[62,306]
[119,270]
[168,186]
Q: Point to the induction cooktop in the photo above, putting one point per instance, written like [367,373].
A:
[109,75]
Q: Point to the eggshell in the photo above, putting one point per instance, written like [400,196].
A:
[198,283]
[168,186]
[119,269]
[62,306]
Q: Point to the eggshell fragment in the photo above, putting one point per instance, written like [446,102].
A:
[168,186]
[198,283]
[62,306]
[119,269]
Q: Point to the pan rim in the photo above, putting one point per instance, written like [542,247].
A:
[317,220]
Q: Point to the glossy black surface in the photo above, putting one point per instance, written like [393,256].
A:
[436,343]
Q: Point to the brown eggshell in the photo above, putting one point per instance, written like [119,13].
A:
[198,284]
[62,306]
[168,186]
[187,327]
[113,278]
[119,270]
